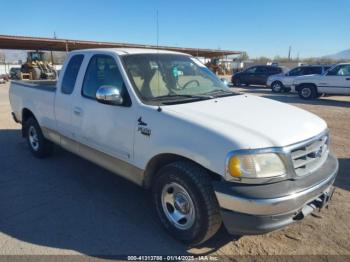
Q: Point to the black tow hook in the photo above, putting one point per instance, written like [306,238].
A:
[317,204]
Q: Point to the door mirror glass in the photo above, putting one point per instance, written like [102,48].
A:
[109,95]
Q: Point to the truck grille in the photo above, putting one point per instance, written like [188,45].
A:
[309,157]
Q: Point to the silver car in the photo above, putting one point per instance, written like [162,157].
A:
[283,82]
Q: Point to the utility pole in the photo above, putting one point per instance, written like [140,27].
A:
[289,52]
[54,37]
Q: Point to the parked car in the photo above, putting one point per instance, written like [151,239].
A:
[2,80]
[334,81]
[255,75]
[207,154]
[15,73]
[283,82]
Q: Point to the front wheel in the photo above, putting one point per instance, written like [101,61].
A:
[186,203]
[277,87]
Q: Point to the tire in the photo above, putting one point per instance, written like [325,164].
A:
[237,82]
[277,87]
[286,90]
[194,199]
[307,92]
[38,145]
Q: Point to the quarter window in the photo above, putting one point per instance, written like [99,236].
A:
[313,70]
[71,73]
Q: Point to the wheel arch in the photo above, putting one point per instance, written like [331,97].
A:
[26,114]
[160,160]
[299,86]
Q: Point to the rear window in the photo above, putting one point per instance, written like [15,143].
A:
[313,70]
[275,70]
[71,73]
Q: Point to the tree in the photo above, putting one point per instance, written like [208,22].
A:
[243,56]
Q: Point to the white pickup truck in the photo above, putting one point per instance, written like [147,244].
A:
[335,81]
[164,121]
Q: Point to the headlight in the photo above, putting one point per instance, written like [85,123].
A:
[255,166]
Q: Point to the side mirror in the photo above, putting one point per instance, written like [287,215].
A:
[109,95]
[224,81]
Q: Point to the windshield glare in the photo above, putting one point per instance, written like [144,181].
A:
[159,75]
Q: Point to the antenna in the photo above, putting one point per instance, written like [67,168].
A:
[157,24]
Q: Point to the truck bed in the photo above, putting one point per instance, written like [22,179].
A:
[45,85]
[35,96]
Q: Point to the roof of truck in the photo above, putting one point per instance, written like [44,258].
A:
[129,51]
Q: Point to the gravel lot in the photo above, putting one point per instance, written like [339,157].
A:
[66,205]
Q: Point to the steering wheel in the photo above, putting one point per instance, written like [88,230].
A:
[187,83]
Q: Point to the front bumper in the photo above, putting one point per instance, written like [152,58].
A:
[243,215]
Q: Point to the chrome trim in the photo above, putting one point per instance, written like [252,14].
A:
[110,95]
[283,152]
[273,206]
[113,164]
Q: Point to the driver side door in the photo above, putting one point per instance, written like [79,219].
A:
[105,128]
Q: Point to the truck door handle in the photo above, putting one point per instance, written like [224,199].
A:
[77,111]
[347,78]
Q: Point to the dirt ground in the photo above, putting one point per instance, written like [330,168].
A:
[66,205]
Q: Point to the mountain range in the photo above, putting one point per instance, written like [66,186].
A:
[342,55]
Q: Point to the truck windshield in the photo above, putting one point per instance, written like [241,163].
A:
[164,77]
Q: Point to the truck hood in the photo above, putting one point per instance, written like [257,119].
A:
[250,121]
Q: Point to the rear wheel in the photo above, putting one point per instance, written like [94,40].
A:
[307,92]
[38,145]
[186,203]
[277,87]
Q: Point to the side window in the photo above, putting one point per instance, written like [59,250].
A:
[296,71]
[276,70]
[344,70]
[251,70]
[340,70]
[103,71]
[261,70]
[313,70]
[71,73]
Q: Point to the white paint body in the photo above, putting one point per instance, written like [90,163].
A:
[203,131]
[327,84]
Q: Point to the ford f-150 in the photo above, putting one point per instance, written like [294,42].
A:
[164,121]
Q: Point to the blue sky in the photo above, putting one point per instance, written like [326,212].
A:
[260,27]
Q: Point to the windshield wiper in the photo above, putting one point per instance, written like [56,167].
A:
[179,97]
[220,93]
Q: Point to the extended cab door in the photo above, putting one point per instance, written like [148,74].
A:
[65,101]
[105,128]
[336,80]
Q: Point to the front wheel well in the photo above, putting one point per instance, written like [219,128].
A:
[161,160]
[299,86]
